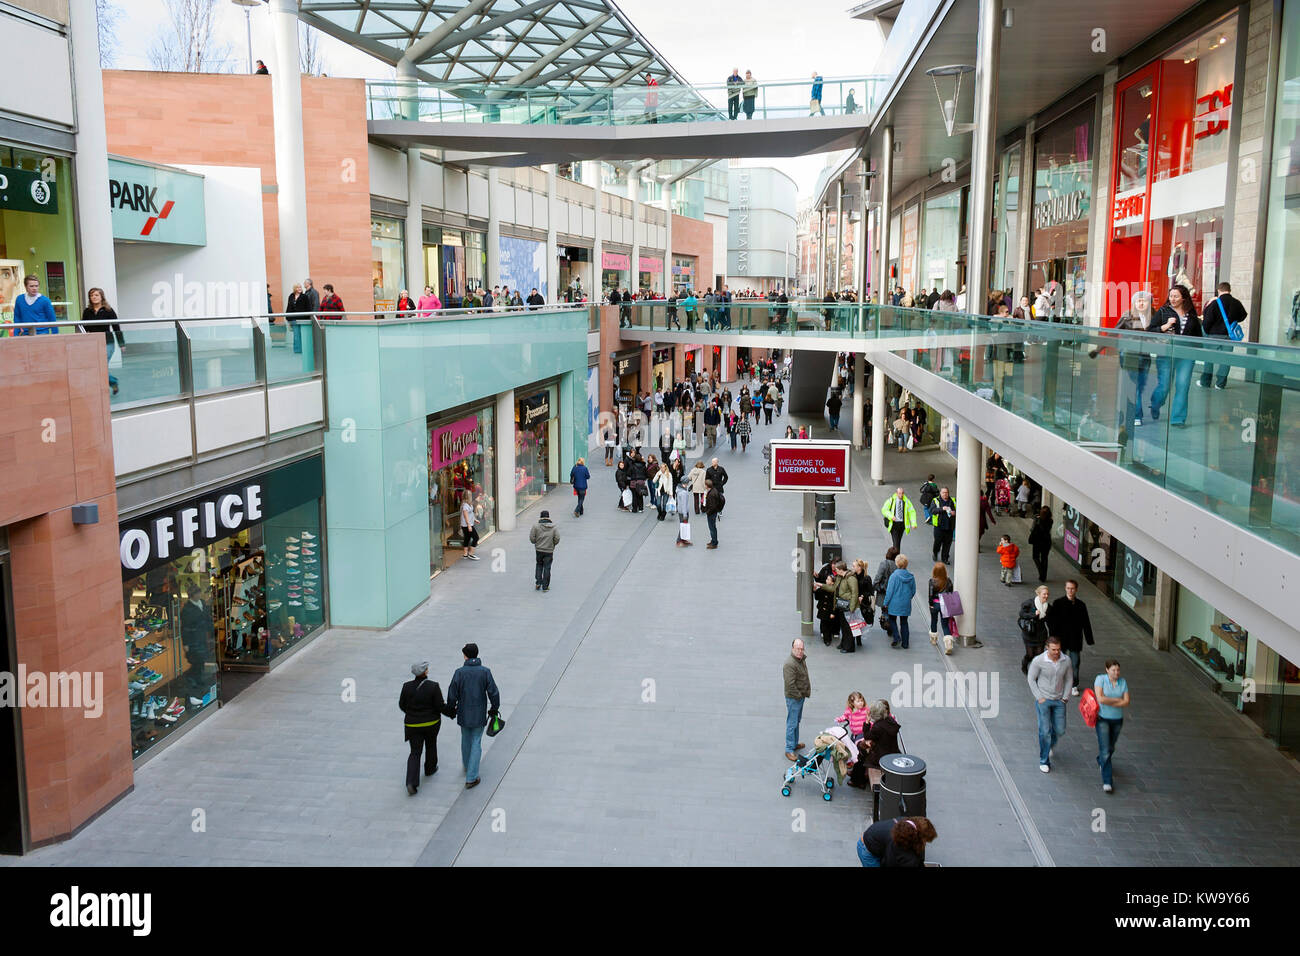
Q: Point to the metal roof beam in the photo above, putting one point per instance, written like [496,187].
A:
[418,50]
[591,58]
[485,26]
[523,76]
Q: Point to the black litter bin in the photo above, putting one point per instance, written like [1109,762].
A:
[825,508]
[902,787]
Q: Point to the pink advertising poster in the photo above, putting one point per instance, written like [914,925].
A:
[450,443]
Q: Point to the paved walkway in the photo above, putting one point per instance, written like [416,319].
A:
[646,722]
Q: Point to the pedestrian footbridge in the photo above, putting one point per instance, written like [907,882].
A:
[1209,490]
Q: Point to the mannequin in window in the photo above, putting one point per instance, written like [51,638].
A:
[198,638]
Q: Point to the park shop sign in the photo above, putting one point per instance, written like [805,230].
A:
[165,536]
[149,203]
[1060,209]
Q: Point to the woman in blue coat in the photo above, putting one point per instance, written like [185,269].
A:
[578,477]
[898,601]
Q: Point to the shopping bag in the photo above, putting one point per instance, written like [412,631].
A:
[672,506]
[950,604]
[684,531]
[911,442]
[627,497]
[1015,573]
[496,723]
[857,623]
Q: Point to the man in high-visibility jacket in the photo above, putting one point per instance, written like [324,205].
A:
[900,517]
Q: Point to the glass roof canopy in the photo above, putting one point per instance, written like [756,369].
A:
[559,44]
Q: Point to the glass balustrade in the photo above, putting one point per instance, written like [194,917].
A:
[630,104]
[1133,398]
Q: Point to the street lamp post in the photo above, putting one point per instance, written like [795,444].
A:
[248,24]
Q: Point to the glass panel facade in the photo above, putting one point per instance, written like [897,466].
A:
[939,248]
[537,446]
[1117,570]
[1062,209]
[1008,223]
[46,228]
[461,461]
[1278,313]
[683,273]
[387,261]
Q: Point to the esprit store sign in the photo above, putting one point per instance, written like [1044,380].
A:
[1129,207]
[154,204]
[166,536]
[1212,110]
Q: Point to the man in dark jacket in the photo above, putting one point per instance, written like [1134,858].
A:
[422,704]
[470,692]
[712,419]
[1214,324]
[199,639]
[833,406]
[943,515]
[638,476]
[579,477]
[716,474]
[544,537]
[535,300]
[1067,618]
[713,502]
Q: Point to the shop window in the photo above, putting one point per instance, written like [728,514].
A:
[537,444]
[387,266]
[1008,223]
[1061,211]
[1278,312]
[38,238]
[461,462]
[939,250]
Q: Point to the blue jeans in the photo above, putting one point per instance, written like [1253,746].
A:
[1107,736]
[900,630]
[1074,665]
[582,496]
[713,528]
[112,379]
[1137,385]
[1182,381]
[865,855]
[297,335]
[1051,727]
[471,750]
[793,714]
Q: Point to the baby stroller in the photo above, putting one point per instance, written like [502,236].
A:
[1002,496]
[820,762]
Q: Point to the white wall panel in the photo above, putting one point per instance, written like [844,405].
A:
[225,420]
[35,74]
[524,209]
[478,196]
[293,406]
[387,173]
[150,438]
[454,190]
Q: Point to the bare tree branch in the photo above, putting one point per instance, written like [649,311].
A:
[107,14]
[188,43]
[310,59]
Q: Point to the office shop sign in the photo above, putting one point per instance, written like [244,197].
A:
[156,204]
[167,535]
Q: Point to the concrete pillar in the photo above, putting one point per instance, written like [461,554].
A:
[634,268]
[837,280]
[983,154]
[859,399]
[821,251]
[861,260]
[290,166]
[493,230]
[886,199]
[1162,626]
[668,242]
[552,291]
[878,437]
[98,258]
[591,172]
[970,474]
[505,454]
[647,367]
[1024,212]
[414,238]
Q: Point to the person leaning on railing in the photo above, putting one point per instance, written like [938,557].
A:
[99,316]
[33,307]
[749,93]
[332,306]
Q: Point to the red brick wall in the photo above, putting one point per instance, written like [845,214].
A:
[67,585]
[220,119]
[694,237]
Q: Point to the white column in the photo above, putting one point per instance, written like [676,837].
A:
[552,293]
[634,194]
[878,437]
[821,251]
[966,545]
[886,199]
[592,171]
[837,282]
[668,241]
[414,239]
[983,155]
[94,218]
[859,398]
[493,231]
[505,453]
[290,166]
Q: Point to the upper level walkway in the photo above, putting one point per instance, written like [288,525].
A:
[521,125]
[1205,482]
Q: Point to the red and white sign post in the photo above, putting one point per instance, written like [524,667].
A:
[812,467]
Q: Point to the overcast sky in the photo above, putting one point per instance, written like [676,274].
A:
[776,39]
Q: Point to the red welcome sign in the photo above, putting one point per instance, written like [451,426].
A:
[810,465]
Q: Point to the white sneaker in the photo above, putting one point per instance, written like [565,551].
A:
[1108,788]
[1074,692]
[1045,768]
[308,536]
[472,557]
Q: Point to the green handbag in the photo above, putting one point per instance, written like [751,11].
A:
[496,723]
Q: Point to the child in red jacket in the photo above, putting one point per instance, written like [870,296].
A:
[1008,553]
